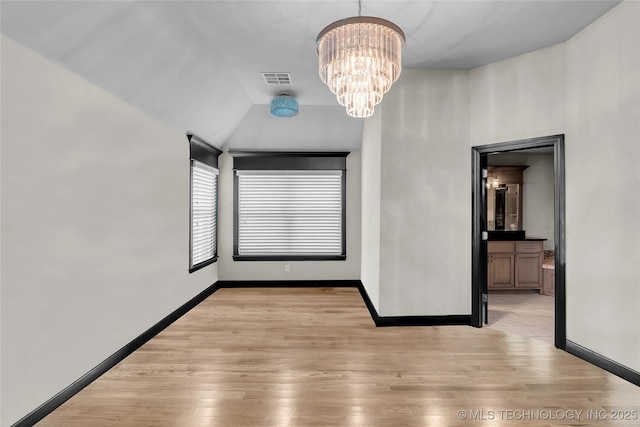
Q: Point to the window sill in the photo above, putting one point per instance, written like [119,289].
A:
[203,264]
[289,257]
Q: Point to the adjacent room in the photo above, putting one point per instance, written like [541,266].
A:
[263,213]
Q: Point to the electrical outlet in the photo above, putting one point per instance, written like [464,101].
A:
[287,268]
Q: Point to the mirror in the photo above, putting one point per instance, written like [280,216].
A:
[503,207]
[504,198]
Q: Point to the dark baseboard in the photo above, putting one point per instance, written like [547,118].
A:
[378,320]
[57,400]
[288,283]
[383,321]
[603,362]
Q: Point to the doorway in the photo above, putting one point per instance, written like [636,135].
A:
[480,299]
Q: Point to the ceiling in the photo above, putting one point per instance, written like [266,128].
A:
[196,64]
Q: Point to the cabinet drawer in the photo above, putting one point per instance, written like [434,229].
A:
[499,247]
[529,246]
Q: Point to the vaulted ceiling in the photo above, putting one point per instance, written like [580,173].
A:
[196,64]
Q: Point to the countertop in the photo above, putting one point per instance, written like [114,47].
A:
[511,235]
[514,239]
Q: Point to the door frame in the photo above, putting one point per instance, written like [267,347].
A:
[479,224]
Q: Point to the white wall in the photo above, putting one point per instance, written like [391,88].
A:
[518,98]
[348,269]
[425,237]
[370,196]
[603,186]
[325,128]
[94,227]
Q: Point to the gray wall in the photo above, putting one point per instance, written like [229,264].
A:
[95,222]
[370,196]
[425,237]
[538,198]
[603,181]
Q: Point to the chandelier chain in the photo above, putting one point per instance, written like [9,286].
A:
[359,7]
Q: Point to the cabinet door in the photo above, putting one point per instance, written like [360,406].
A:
[529,270]
[548,280]
[501,274]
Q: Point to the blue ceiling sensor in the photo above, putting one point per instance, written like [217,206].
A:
[284,106]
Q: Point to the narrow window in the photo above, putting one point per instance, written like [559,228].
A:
[203,233]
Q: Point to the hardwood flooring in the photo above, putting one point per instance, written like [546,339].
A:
[313,357]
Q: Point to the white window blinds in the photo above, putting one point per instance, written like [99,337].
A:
[204,183]
[290,213]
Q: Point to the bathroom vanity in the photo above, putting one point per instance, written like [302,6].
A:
[515,264]
[514,260]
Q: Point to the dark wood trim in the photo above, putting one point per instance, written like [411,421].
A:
[367,301]
[289,257]
[344,214]
[559,229]
[450,320]
[204,263]
[603,362]
[202,151]
[236,216]
[289,160]
[288,284]
[254,153]
[520,145]
[384,321]
[50,405]
[478,246]
[479,275]
[250,160]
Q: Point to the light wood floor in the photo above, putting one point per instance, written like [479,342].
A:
[312,357]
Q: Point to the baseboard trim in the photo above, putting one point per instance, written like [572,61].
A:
[288,283]
[603,362]
[383,321]
[57,400]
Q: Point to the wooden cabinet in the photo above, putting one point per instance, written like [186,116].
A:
[515,265]
[501,272]
[548,279]
[549,276]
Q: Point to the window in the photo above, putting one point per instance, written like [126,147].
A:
[203,242]
[289,206]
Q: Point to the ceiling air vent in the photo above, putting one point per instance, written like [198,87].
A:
[277,78]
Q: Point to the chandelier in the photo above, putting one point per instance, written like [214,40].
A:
[359,59]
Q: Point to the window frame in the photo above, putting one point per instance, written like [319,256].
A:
[288,161]
[202,152]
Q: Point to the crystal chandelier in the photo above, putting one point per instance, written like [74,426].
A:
[359,59]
